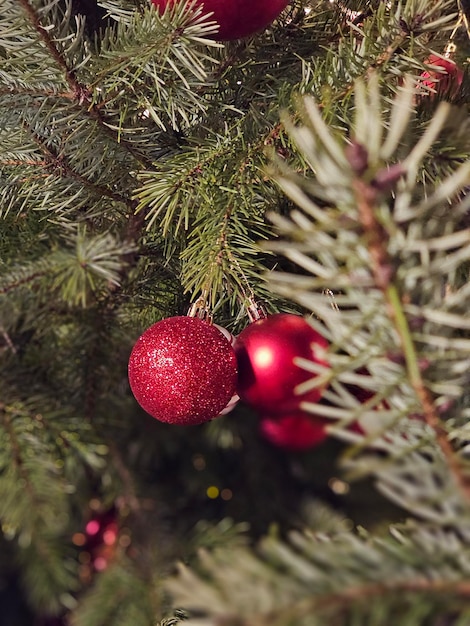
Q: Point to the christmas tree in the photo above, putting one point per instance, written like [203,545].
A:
[259,184]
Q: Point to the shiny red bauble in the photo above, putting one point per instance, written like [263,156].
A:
[236,18]
[182,370]
[298,431]
[266,352]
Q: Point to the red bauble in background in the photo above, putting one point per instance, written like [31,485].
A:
[182,370]
[236,18]
[267,373]
[298,431]
[445,80]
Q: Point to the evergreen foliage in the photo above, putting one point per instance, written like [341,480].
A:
[143,163]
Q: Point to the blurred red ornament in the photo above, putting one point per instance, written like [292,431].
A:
[267,373]
[298,431]
[92,527]
[98,542]
[98,525]
[236,18]
[182,370]
[445,79]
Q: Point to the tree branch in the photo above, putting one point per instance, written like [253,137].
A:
[60,163]
[81,92]
[366,198]
[351,595]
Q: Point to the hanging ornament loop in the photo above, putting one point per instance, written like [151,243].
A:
[200,308]
[451,47]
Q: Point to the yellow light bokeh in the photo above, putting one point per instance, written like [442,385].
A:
[212,492]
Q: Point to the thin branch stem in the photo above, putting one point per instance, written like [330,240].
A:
[36,93]
[60,164]
[22,162]
[7,339]
[22,281]
[43,33]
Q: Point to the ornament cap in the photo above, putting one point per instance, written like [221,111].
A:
[200,309]
[255,310]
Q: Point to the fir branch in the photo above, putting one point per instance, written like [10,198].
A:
[352,597]
[119,595]
[40,454]
[79,92]
[314,576]
[161,61]
[93,266]
[48,574]
[366,199]
[77,89]
[21,279]
[17,457]
[86,266]
[61,167]
[220,247]
[20,162]
[17,90]
[359,221]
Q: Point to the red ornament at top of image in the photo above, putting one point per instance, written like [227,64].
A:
[182,370]
[236,18]
[446,80]
[267,374]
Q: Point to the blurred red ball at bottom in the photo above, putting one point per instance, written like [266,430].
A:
[296,432]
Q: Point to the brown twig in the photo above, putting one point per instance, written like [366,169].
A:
[22,281]
[60,164]
[43,33]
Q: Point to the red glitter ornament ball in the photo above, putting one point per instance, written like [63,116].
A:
[236,18]
[267,373]
[298,431]
[182,370]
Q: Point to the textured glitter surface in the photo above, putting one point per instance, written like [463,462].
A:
[182,370]
[267,373]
